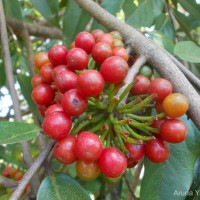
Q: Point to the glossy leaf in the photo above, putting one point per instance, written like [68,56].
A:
[60,186]
[13,132]
[146,13]
[48,9]
[188,51]
[74,21]
[128,8]
[167,181]
[26,88]
[162,40]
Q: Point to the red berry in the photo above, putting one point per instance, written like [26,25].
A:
[112,162]
[66,80]
[90,83]
[77,59]
[136,151]
[131,163]
[156,150]
[53,108]
[161,87]
[96,33]
[36,80]
[88,146]
[58,69]
[106,38]
[57,54]
[114,69]
[57,125]
[42,94]
[101,51]
[121,52]
[40,59]
[85,40]
[141,85]
[46,73]
[6,172]
[173,131]
[42,109]
[18,176]
[158,122]
[74,103]
[64,150]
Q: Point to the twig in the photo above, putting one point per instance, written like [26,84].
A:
[6,182]
[157,58]
[131,191]
[31,171]
[11,84]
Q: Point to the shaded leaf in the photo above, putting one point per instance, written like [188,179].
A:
[146,13]
[188,50]
[2,75]
[165,181]
[162,40]
[60,186]
[13,132]
[74,21]
[128,8]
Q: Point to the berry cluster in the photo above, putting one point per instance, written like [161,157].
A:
[96,125]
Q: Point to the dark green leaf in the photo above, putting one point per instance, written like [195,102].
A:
[164,25]
[12,9]
[13,132]
[2,75]
[188,50]
[74,21]
[146,13]
[61,187]
[112,7]
[128,8]
[48,9]
[26,88]
[172,180]
[162,40]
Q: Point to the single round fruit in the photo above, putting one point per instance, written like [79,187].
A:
[42,109]
[77,59]
[106,38]
[36,80]
[156,150]
[88,146]
[90,83]
[40,59]
[121,52]
[131,163]
[114,69]
[66,80]
[175,105]
[116,35]
[42,94]
[117,43]
[96,33]
[18,176]
[146,71]
[57,54]
[141,85]
[101,51]
[136,151]
[158,122]
[112,162]
[161,87]
[85,40]
[57,125]
[87,171]
[64,150]
[173,131]
[53,108]
[58,69]
[46,73]
[74,103]
[6,172]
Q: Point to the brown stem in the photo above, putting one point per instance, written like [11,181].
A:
[157,58]
[6,182]
[31,171]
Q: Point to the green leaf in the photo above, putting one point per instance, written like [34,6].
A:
[162,40]
[2,75]
[74,21]
[188,51]
[146,13]
[48,9]
[12,9]
[128,8]
[112,7]
[26,88]
[13,132]
[166,181]
[61,187]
